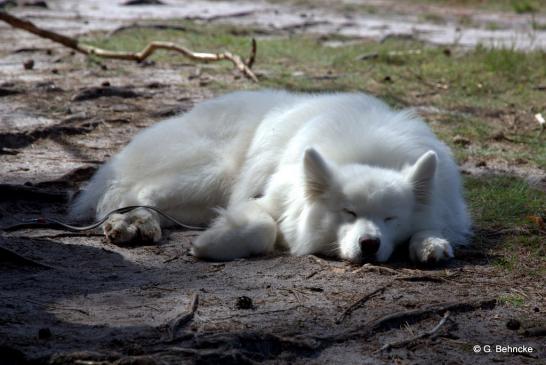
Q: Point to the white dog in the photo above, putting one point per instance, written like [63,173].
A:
[336,174]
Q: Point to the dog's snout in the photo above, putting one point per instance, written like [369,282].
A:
[369,245]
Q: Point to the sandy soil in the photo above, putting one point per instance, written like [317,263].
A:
[74,298]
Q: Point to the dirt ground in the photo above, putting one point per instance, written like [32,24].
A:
[71,298]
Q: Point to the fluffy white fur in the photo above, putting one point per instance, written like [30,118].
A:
[336,174]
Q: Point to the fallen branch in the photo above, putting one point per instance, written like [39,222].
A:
[133,56]
[359,303]
[174,325]
[412,339]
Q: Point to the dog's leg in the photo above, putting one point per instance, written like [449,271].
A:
[243,230]
[429,246]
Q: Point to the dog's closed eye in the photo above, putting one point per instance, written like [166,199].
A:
[389,219]
[349,212]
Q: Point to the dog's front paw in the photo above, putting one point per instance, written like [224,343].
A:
[199,246]
[431,250]
[213,243]
[242,231]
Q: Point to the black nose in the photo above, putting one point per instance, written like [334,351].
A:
[369,246]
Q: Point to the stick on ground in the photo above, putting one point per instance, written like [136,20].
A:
[134,56]
[412,339]
[359,303]
[179,321]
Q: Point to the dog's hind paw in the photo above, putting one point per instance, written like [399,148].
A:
[117,229]
[430,250]
[126,228]
[148,229]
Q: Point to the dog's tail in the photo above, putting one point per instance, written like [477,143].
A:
[84,206]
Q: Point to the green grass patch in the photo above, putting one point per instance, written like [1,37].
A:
[514,300]
[525,6]
[501,208]
[503,202]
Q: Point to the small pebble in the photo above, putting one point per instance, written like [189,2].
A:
[244,302]
[28,64]
[513,324]
[44,333]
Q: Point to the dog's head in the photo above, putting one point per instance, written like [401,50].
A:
[367,208]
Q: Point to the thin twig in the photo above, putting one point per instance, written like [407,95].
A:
[252,57]
[429,278]
[131,56]
[412,339]
[379,269]
[250,314]
[173,326]
[359,303]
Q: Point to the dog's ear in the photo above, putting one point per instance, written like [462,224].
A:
[421,175]
[317,174]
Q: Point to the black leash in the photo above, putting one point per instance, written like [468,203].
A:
[51,223]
